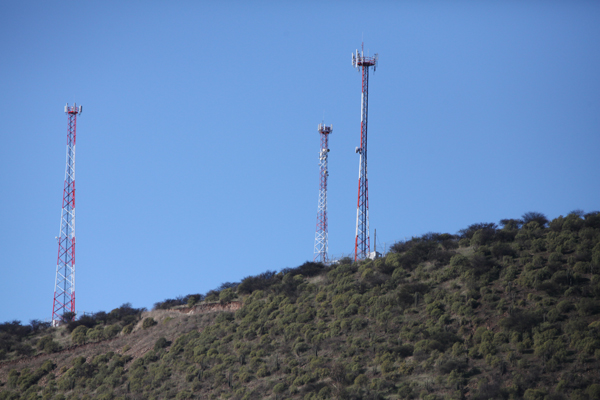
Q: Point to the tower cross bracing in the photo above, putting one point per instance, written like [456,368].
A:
[322,234]
[362,246]
[64,286]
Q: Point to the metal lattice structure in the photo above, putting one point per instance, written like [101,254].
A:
[362,244]
[64,286]
[322,235]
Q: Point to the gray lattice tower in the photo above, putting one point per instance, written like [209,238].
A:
[63,308]
[362,239]
[322,234]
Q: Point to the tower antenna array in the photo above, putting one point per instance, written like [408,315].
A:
[63,308]
[362,245]
[321,236]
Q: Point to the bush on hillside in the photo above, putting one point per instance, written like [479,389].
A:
[487,227]
[48,345]
[533,216]
[148,322]
[258,282]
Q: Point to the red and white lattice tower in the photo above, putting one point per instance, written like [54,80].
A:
[64,287]
[321,236]
[362,246]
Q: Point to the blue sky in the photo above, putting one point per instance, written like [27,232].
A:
[197,150]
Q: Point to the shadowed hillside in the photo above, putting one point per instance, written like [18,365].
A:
[493,312]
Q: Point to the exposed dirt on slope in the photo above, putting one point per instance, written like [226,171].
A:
[204,308]
[171,324]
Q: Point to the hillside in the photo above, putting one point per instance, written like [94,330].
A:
[504,312]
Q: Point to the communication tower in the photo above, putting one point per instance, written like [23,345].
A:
[321,236]
[64,286]
[362,245]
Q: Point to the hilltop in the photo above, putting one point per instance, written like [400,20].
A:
[504,312]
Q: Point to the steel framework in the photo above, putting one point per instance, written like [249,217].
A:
[362,246]
[322,235]
[63,308]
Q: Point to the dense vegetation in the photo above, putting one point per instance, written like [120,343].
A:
[503,312]
[18,340]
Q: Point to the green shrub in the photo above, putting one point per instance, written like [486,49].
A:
[427,345]
[460,261]
[557,223]
[161,343]
[112,331]
[224,317]
[487,348]
[301,347]
[128,329]
[193,299]
[262,372]
[95,334]
[184,394]
[534,394]
[47,345]
[148,322]
[78,361]
[47,366]
[565,306]
[582,267]
[520,320]
[593,391]
[225,296]
[279,388]
[361,380]
[78,336]
[500,250]
[435,309]
[588,307]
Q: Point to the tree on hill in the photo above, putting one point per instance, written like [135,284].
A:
[534,216]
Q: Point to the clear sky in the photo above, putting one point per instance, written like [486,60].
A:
[197,150]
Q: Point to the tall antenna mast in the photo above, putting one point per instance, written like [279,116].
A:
[321,236]
[64,286]
[362,246]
